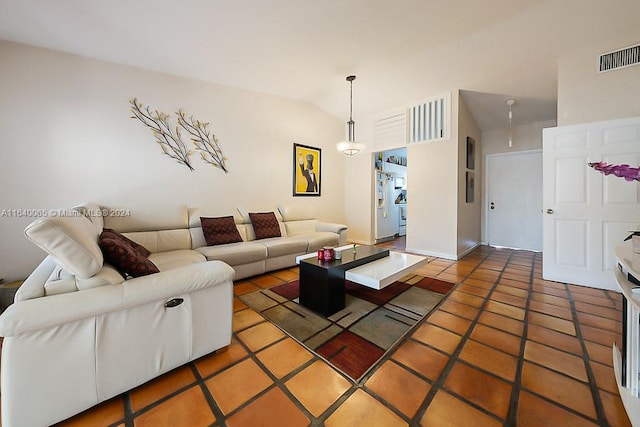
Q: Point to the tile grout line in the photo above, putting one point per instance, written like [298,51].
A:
[213,405]
[277,383]
[438,384]
[590,376]
[593,387]
[512,415]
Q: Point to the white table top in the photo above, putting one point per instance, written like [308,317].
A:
[382,272]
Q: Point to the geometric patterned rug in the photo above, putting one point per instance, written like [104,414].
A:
[355,338]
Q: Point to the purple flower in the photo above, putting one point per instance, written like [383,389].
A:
[621,171]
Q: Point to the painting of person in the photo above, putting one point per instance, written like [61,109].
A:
[306,174]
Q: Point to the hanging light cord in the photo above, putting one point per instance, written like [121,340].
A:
[510,127]
[510,102]
[351,123]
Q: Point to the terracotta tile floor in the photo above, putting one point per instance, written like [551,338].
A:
[505,348]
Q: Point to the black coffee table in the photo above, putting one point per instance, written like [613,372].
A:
[322,284]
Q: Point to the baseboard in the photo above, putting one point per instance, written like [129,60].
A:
[431,253]
[385,239]
[463,254]
[451,257]
[361,242]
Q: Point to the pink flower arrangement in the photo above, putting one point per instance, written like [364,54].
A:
[621,171]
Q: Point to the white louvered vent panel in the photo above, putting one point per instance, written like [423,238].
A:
[391,128]
[429,120]
[619,59]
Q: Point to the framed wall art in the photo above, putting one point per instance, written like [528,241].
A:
[470,187]
[471,153]
[307,170]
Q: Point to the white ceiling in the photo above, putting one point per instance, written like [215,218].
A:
[401,51]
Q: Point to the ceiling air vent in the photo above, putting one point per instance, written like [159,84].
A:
[619,59]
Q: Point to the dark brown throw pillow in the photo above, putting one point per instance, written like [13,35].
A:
[220,230]
[265,225]
[138,247]
[124,256]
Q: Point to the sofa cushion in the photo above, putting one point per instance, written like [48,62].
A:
[119,252]
[265,224]
[220,230]
[235,253]
[281,246]
[161,240]
[173,259]
[302,226]
[60,281]
[319,239]
[141,250]
[71,240]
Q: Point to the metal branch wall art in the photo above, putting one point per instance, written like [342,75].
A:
[170,139]
[206,143]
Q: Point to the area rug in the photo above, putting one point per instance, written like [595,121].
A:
[355,338]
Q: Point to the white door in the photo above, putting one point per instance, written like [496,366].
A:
[587,213]
[514,195]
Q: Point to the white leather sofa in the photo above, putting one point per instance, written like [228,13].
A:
[301,233]
[78,333]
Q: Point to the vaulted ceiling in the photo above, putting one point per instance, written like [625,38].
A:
[401,51]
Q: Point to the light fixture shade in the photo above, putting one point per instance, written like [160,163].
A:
[350,148]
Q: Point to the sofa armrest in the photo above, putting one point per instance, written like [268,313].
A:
[38,313]
[328,226]
[339,229]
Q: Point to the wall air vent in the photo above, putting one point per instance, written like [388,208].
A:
[430,120]
[619,59]
[390,129]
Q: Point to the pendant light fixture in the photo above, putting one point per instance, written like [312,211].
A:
[510,102]
[350,147]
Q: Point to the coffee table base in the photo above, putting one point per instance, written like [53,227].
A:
[322,290]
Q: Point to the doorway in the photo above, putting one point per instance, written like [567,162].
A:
[514,200]
[390,195]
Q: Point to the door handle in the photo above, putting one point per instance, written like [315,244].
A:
[550,211]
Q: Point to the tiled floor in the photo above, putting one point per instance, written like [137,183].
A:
[505,348]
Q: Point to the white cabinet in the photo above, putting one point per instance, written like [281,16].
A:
[626,362]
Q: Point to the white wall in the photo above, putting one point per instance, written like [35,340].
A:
[358,200]
[585,95]
[437,222]
[67,137]
[432,192]
[469,215]
[525,137]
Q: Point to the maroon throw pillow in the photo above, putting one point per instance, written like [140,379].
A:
[265,225]
[125,257]
[220,230]
[108,232]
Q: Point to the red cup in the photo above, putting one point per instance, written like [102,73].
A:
[328,254]
[320,254]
